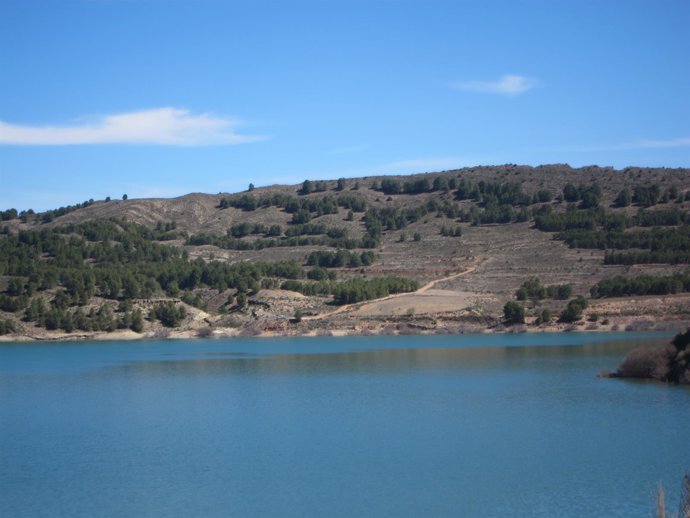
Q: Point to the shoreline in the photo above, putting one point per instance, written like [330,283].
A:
[384,328]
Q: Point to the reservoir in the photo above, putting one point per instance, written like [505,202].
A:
[474,425]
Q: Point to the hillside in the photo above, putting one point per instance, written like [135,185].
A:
[597,248]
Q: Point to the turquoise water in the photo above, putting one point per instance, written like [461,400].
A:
[476,426]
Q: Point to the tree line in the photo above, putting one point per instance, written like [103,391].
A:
[354,290]
[535,290]
[54,274]
[340,259]
[291,204]
[620,286]
[334,239]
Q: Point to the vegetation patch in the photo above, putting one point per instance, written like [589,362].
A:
[668,363]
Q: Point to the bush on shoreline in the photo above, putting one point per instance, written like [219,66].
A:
[669,363]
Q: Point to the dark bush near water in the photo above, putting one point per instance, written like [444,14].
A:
[668,363]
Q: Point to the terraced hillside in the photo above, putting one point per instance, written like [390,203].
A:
[438,252]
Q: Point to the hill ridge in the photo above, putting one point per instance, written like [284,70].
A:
[562,225]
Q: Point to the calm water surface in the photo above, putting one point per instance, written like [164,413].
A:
[476,426]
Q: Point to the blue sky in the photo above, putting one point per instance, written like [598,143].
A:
[165,97]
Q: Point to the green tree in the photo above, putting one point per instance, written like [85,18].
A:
[624,198]
[573,312]
[15,287]
[544,317]
[646,195]
[169,314]
[130,287]
[242,300]
[532,289]
[570,193]
[80,320]
[589,200]
[563,291]
[514,313]
[31,313]
[137,321]
[7,327]
[124,197]
[543,196]
[307,187]
[301,217]
[440,184]
[104,318]
[67,323]
[53,319]
[173,290]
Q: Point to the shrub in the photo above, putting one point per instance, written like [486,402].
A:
[169,314]
[7,327]
[668,363]
[644,362]
[681,340]
[544,317]
[514,313]
[574,310]
[137,321]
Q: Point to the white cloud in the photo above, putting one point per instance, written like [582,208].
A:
[162,126]
[506,85]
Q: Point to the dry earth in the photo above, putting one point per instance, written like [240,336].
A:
[466,280]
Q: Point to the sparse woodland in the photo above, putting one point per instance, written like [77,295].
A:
[204,260]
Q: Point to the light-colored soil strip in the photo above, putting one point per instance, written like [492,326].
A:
[351,307]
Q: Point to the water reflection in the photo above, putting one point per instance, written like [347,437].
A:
[371,428]
[220,363]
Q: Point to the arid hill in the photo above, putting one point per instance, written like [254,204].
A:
[589,248]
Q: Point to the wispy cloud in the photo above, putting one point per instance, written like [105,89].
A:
[506,85]
[159,126]
[675,142]
[643,143]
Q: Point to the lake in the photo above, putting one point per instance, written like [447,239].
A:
[475,425]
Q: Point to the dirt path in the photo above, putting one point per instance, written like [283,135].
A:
[350,307]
